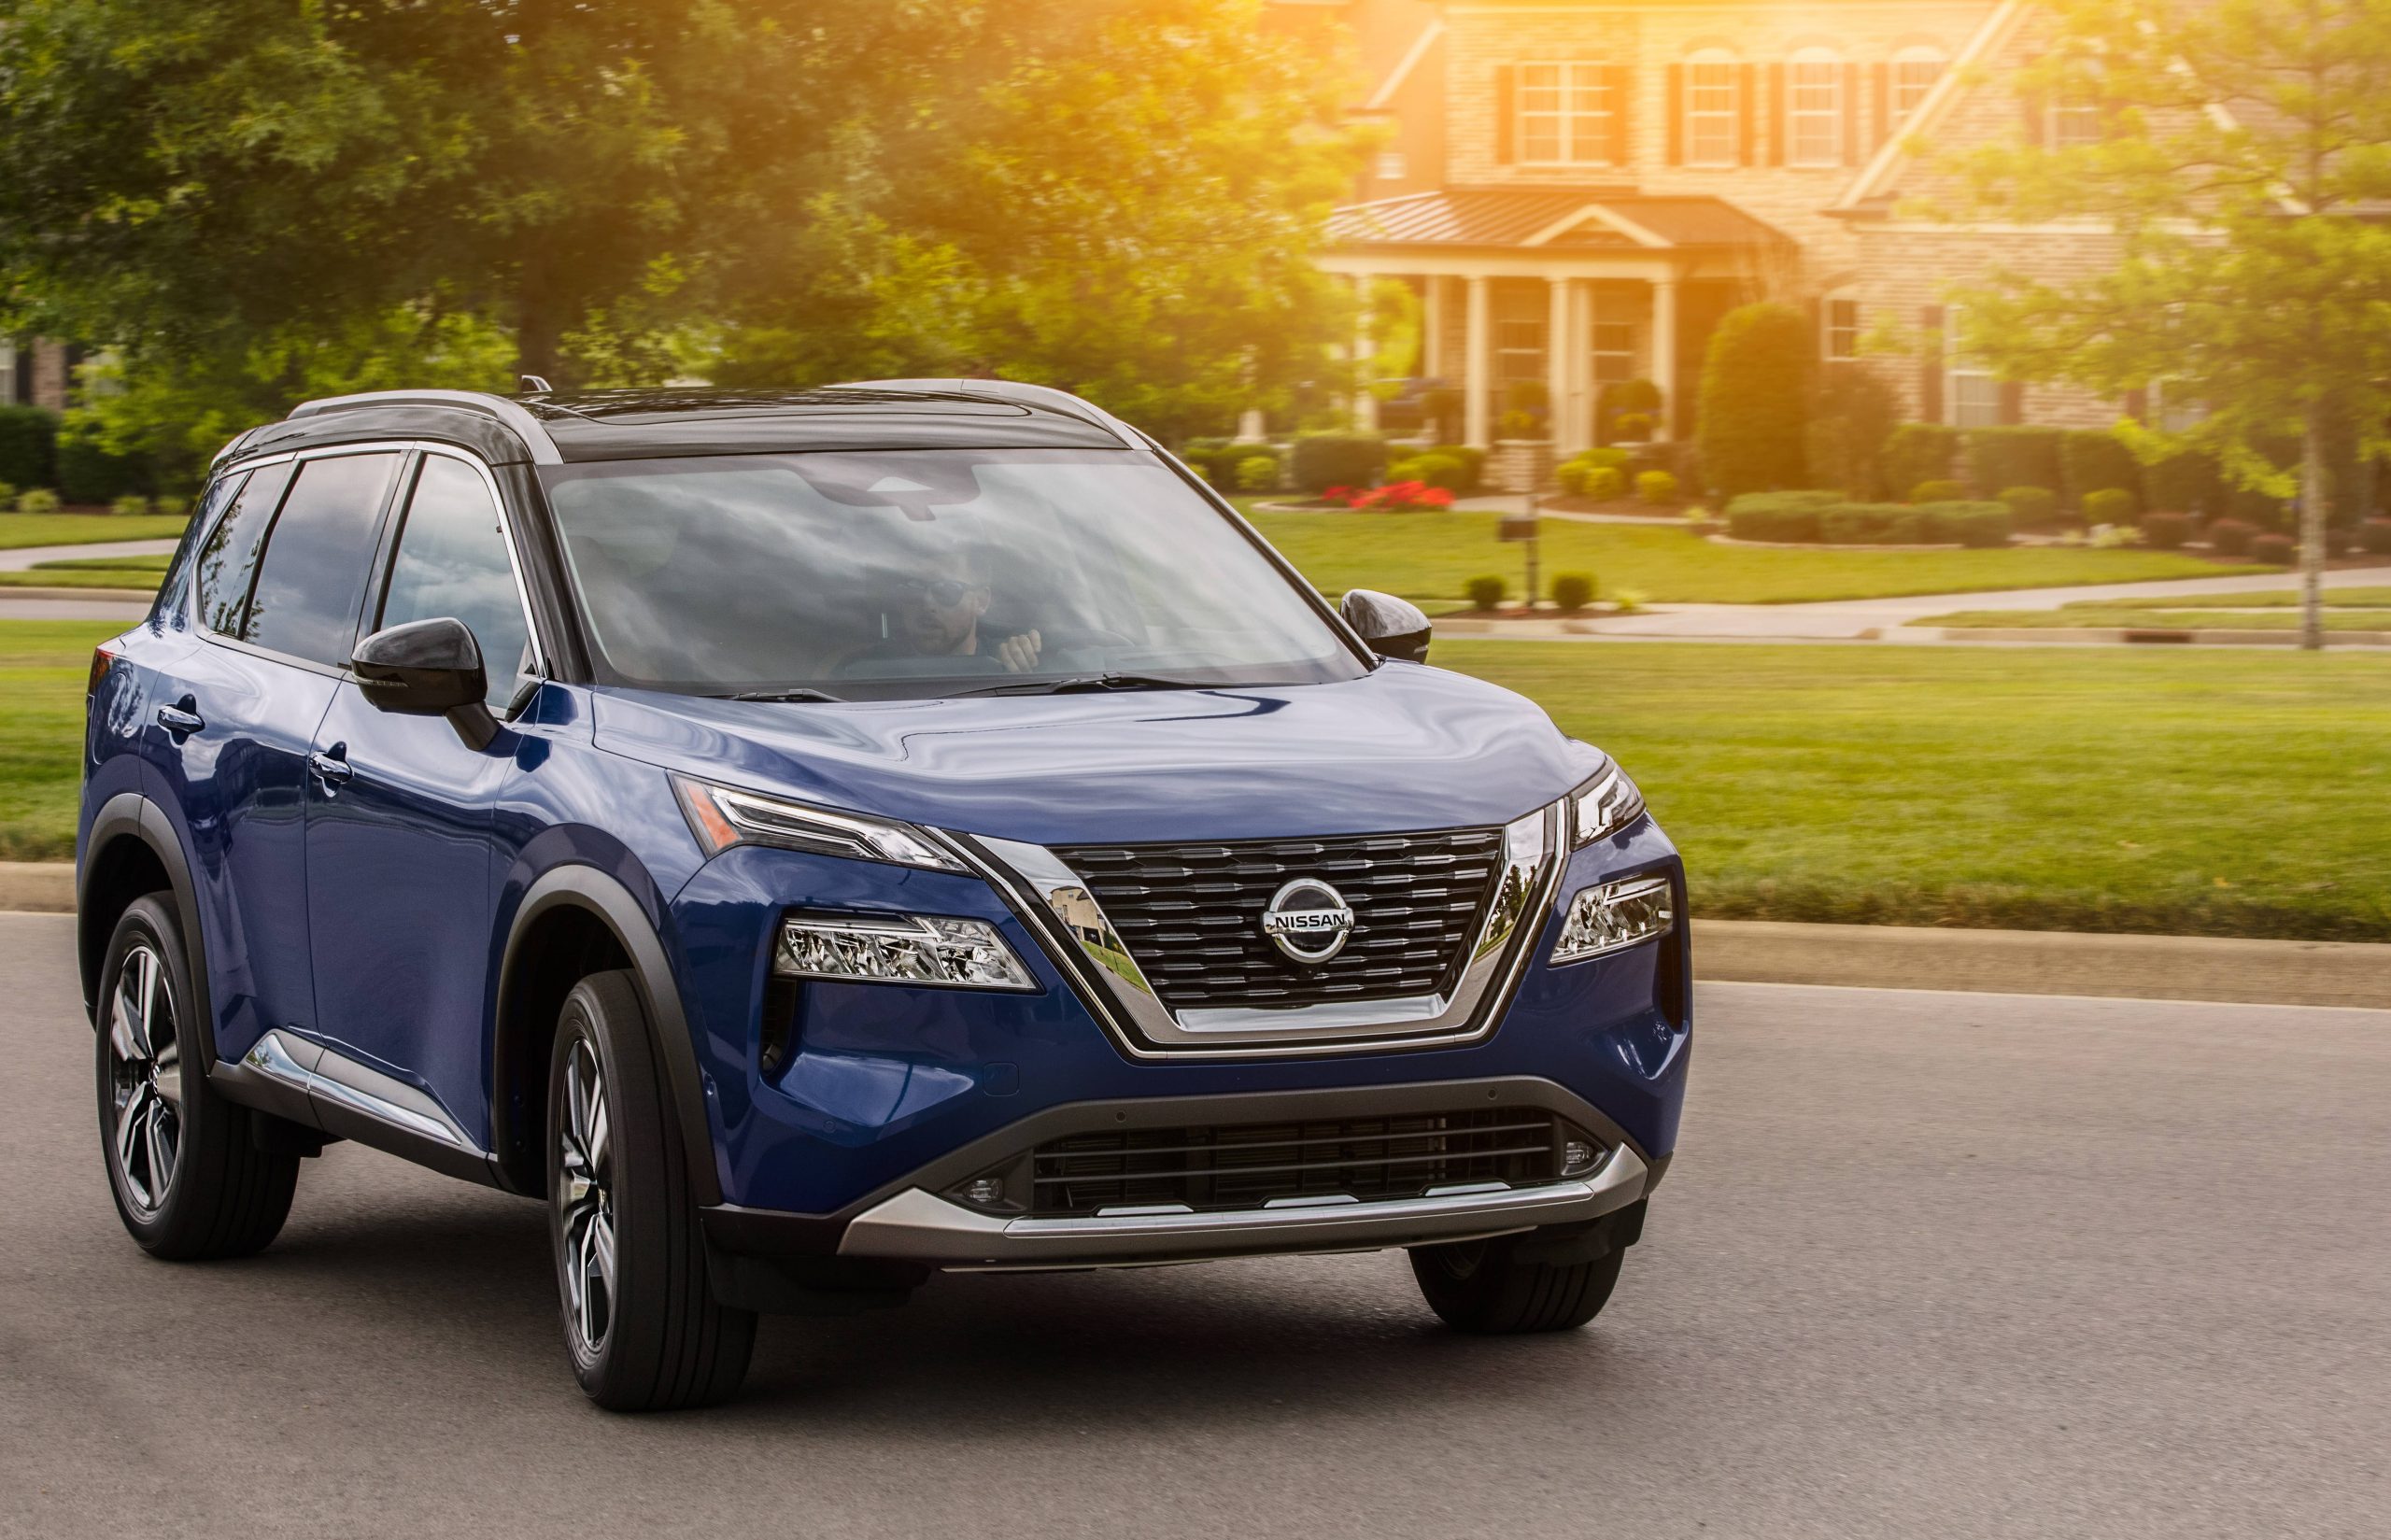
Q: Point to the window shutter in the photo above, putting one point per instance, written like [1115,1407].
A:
[2030,103]
[1881,100]
[1776,115]
[1505,113]
[1746,113]
[2137,404]
[1930,364]
[1622,142]
[2012,403]
[1850,114]
[1677,115]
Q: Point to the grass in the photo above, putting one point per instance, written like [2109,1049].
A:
[124,573]
[2335,598]
[19,530]
[2172,620]
[2120,790]
[1430,556]
[2176,792]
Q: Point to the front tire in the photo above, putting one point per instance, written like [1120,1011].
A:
[184,1166]
[641,1323]
[1485,1287]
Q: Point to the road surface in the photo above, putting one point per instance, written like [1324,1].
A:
[1929,1265]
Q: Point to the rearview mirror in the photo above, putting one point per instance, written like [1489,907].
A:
[1393,627]
[427,668]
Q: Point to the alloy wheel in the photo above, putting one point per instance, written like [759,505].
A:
[144,1076]
[586,1201]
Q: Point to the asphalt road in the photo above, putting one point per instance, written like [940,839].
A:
[1928,1266]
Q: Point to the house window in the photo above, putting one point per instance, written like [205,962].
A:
[1842,319]
[8,373]
[1614,352]
[2174,411]
[1564,114]
[1971,394]
[1814,108]
[1391,166]
[1914,72]
[1518,350]
[1712,110]
[2073,116]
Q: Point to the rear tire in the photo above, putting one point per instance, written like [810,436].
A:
[1483,1288]
[184,1166]
[641,1323]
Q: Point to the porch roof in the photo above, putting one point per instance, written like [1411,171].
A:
[1550,218]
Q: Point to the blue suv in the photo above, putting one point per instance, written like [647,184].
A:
[811,841]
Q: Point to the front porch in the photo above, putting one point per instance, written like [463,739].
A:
[1574,288]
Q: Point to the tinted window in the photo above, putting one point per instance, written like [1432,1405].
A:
[452,562]
[313,574]
[231,553]
[172,589]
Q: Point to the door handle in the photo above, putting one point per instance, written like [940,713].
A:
[330,768]
[181,720]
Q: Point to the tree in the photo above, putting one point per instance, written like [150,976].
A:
[2243,172]
[1755,401]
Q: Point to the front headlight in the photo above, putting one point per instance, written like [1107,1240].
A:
[722,817]
[1610,916]
[900,949]
[1604,806]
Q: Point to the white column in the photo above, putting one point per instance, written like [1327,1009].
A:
[1580,430]
[1365,400]
[1432,326]
[1664,353]
[1477,365]
[1559,377]
[1252,427]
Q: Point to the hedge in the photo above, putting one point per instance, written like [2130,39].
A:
[1979,526]
[28,446]
[1219,458]
[2165,531]
[1778,517]
[1920,451]
[1322,461]
[89,473]
[2011,457]
[2374,536]
[2033,507]
[1755,400]
[1800,517]
[2282,550]
[1871,524]
[2186,482]
[2108,505]
[2091,459]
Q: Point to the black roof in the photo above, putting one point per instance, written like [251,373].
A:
[553,428]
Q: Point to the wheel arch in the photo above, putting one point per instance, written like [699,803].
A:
[573,921]
[131,849]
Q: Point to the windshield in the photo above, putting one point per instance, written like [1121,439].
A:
[925,572]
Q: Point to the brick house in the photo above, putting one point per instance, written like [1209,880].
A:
[36,372]
[1616,177]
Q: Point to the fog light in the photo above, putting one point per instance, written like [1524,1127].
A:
[1577,1157]
[1612,915]
[905,949]
[987,1190]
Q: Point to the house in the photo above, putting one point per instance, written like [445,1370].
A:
[1616,177]
[35,373]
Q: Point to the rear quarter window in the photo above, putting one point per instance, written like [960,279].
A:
[229,557]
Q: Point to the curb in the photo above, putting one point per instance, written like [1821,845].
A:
[2002,962]
[2150,635]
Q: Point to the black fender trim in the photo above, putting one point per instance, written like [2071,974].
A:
[130,815]
[589,889]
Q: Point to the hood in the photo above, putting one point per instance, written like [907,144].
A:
[1402,747]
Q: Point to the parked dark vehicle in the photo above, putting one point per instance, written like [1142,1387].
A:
[813,841]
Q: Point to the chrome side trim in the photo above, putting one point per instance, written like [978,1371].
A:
[922,1226]
[325,1076]
[511,413]
[1080,940]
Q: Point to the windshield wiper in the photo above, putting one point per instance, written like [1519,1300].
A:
[1086,683]
[799,693]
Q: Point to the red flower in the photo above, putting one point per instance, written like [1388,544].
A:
[1435,497]
[1336,494]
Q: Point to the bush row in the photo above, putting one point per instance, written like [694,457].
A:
[36,453]
[1806,517]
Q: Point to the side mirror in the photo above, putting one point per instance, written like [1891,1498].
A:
[1393,627]
[427,668]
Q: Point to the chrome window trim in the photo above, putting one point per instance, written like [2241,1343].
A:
[1056,903]
[506,532]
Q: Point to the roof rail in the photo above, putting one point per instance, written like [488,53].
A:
[1022,394]
[512,413]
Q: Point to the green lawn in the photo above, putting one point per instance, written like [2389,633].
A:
[2177,620]
[1430,556]
[136,572]
[2185,792]
[18,531]
[2335,598]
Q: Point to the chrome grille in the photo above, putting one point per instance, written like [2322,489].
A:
[1211,1167]
[1190,914]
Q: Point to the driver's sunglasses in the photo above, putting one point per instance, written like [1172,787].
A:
[944,592]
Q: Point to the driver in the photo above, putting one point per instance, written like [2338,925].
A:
[935,612]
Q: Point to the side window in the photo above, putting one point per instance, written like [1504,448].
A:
[231,554]
[312,576]
[172,589]
[452,562]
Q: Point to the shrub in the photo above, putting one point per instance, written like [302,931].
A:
[2374,536]
[1656,488]
[131,505]
[2186,482]
[2090,458]
[1330,459]
[1434,468]
[1572,473]
[8,495]
[1442,407]
[1485,592]
[1938,491]
[1920,451]
[1854,412]
[2282,550]
[39,500]
[1257,473]
[2166,531]
[1871,524]
[28,446]
[1638,397]
[1631,426]
[2011,457]
[1755,399]
[1218,461]
[1628,601]
[1573,592]
[2031,507]
[1473,461]
[1604,483]
[1515,424]
[1778,517]
[1978,526]
[1530,396]
[89,473]
[2109,505]
[2230,536]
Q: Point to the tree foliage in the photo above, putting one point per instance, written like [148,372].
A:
[1755,401]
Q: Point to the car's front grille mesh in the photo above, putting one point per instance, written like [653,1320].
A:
[1241,1167]
[1191,914]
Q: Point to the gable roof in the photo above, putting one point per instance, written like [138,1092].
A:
[1569,217]
[1875,185]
